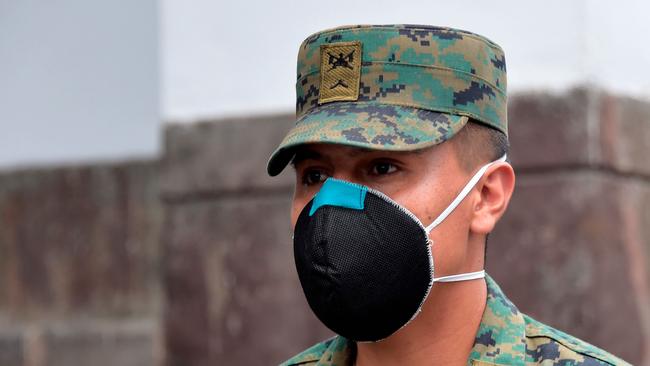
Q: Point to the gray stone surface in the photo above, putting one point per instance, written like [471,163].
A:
[233,297]
[582,127]
[11,348]
[125,344]
[549,130]
[78,244]
[564,253]
[79,241]
[207,158]
[625,135]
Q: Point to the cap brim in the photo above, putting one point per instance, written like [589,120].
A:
[367,125]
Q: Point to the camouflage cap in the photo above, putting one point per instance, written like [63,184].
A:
[393,87]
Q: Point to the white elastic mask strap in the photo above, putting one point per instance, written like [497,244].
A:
[461,196]
[461,277]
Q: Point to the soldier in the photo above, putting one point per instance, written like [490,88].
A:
[400,152]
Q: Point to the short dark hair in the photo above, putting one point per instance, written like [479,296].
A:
[477,144]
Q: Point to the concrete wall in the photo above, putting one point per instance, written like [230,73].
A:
[188,260]
[79,265]
[574,248]
[231,290]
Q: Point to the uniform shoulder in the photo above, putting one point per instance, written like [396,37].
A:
[309,356]
[544,344]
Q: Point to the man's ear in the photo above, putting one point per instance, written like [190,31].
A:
[495,190]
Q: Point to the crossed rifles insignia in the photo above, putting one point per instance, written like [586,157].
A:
[340,71]
[341,61]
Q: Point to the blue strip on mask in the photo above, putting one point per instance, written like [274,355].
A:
[339,193]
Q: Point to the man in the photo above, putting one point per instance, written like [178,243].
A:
[400,152]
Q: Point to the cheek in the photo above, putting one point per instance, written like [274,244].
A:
[297,201]
[294,216]
[297,205]
[450,250]
[421,202]
[454,228]
[427,202]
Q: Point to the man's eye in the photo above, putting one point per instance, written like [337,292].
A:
[383,168]
[312,177]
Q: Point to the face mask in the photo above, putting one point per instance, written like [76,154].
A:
[364,261]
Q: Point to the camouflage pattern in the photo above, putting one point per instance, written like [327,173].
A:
[505,337]
[418,86]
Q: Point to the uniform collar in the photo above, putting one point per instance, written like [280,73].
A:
[500,340]
[501,337]
[340,352]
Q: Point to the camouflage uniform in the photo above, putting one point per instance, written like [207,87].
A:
[505,337]
[404,88]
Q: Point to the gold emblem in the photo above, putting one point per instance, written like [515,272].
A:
[340,71]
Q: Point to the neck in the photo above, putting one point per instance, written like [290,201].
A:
[442,334]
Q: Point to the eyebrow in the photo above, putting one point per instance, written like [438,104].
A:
[306,153]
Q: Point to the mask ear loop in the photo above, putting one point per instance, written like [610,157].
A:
[463,193]
[461,277]
[468,187]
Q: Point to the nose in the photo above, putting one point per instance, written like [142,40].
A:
[346,176]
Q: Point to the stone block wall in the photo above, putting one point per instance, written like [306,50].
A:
[79,265]
[231,291]
[574,248]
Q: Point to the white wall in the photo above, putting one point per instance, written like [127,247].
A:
[78,80]
[223,58]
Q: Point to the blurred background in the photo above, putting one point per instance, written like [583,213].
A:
[137,224]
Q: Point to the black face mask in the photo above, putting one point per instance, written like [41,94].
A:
[351,263]
[364,261]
